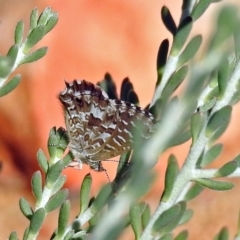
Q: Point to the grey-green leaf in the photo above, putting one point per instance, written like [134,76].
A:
[12,53]
[10,85]
[132,97]
[36,222]
[182,235]
[193,192]
[225,29]
[218,122]
[68,158]
[237,44]
[57,143]
[223,77]
[51,23]
[170,217]
[173,83]
[25,208]
[57,200]
[69,235]
[63,142]
[197,121]
[237,159]
[211,155]
[34,56]
[169,228]
[215,185]
[168,20]
[34,37]
[25,234]
[146,215]
[53,141]
[171,174]
[226,169]
[135,219]
[190,50]
[200,8]
[63,219]
[208,103]
[223,234]
[181,138]
[18,35]
[13,236]
[37,186]
[167,236]
[123,161]
[43,18]
[54,173]
[42,160]
[181,35]
[186,216]
[33,19]
[6,65]
[101,198]
[238,226]
[162,56]
[85,193]
[59,184]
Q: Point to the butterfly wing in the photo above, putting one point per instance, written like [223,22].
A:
[122,138]
[100,128]
[89,116]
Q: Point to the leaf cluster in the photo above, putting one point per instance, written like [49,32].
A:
[200,113]
[20,53]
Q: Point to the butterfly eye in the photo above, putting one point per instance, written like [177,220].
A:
[79,101]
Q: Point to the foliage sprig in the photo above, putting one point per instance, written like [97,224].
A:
[201,112]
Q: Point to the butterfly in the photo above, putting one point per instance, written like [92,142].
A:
[100,128]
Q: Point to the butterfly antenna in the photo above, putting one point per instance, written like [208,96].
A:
[118,161]
[105,170]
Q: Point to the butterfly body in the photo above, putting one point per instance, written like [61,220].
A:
[99,128]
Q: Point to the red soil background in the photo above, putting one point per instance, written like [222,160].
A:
[92,38]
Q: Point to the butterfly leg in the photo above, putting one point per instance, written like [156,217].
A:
[76,164]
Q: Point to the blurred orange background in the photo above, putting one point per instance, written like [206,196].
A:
[92,38]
